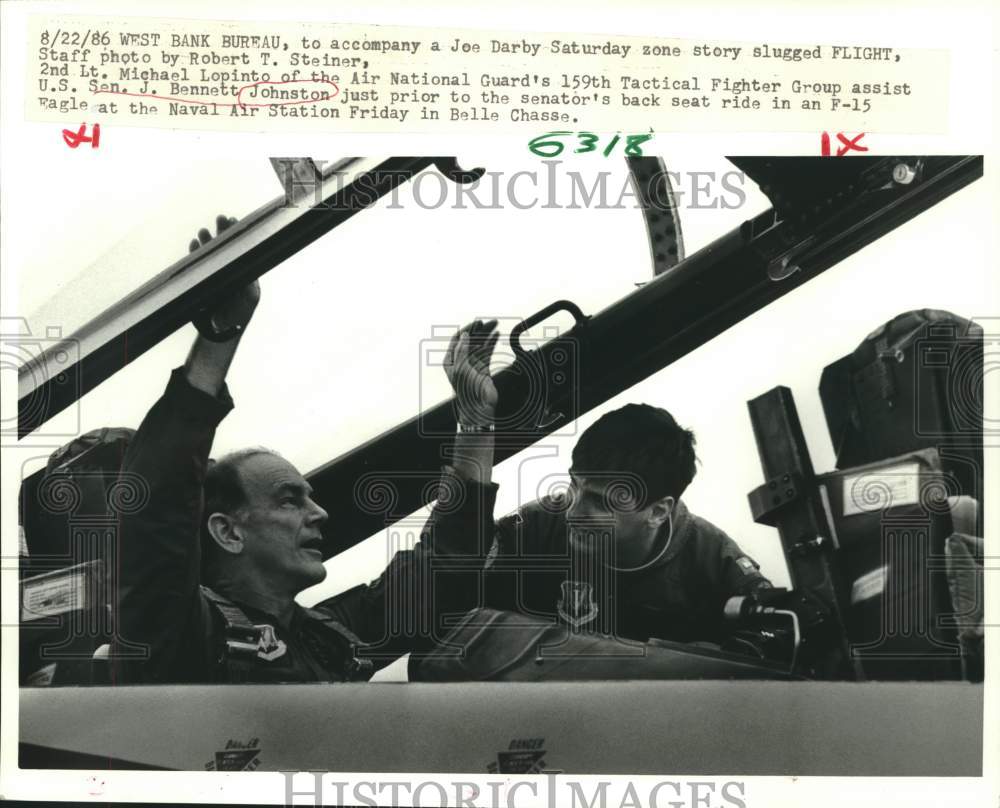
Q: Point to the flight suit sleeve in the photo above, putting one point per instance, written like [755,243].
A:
[722,569]
[410,607]
[159,604]
[738,574]
[461,522]
[505,538]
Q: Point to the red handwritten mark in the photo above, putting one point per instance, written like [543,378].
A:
[849,144]
[239,102]
[74,139]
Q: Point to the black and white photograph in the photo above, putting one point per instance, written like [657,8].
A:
[611,467]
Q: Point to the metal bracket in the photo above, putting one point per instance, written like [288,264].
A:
[767,499]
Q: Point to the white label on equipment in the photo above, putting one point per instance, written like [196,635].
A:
[869,585]
[54,596]
[883,489]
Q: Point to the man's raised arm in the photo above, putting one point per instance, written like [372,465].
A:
[209,361]
[159,547]
[406,608]
[462,520]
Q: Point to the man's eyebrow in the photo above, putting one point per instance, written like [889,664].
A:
[294,488]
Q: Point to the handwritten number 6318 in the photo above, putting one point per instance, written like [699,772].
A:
[551,144]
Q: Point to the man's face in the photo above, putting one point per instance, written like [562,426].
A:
[280,525]
[606,519]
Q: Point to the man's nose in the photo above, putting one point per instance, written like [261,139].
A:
[317,513]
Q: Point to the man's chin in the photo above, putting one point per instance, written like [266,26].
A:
[313,573]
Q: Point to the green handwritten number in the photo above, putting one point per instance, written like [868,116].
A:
[551,145]
[588,142]
[633,144]
[547,145]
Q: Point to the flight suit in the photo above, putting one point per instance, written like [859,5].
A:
[695,567]
[173,629]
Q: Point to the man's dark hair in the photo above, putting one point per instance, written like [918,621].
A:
[224,493]
[643,441]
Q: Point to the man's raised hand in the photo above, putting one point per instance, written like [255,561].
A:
[467,366]
[230,315]
[219,327]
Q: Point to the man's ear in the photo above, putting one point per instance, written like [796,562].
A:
[660,511]
[222,528]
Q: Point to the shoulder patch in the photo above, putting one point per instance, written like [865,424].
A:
[746,564]
[269,646]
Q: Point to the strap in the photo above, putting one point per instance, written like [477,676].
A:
[353,667]
[884,357]
[241,637]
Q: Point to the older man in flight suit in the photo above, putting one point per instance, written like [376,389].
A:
[211,565]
